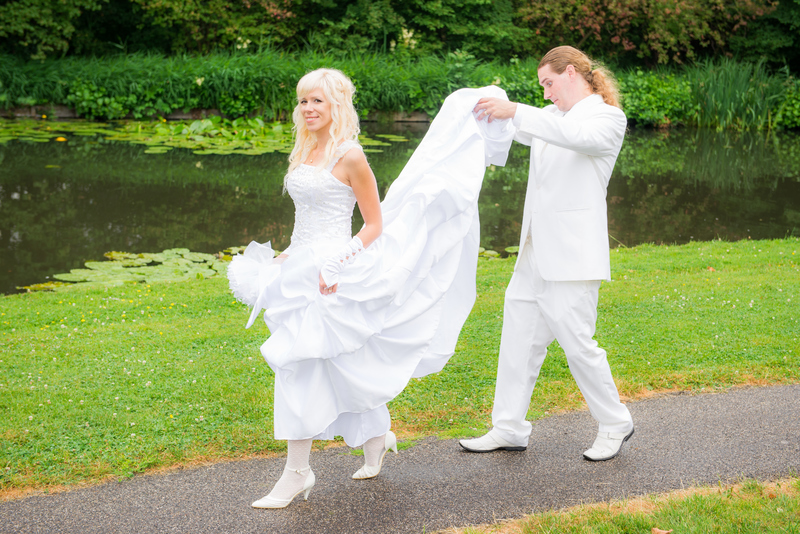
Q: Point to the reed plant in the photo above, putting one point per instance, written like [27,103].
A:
[734,95]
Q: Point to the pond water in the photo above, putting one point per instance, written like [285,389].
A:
[64,203]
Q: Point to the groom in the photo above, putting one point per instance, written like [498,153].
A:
[564,251]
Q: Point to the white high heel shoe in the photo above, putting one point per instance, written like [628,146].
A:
[371,471]
[271,502]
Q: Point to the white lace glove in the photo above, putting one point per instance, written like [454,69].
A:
[334,265]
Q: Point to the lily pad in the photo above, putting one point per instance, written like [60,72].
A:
[221,266]
[94,275]
[46,286]
[152,257]
[199,256]
[366,141]
[76,275]
[115,255]
[135,262]
[178,251]
[179,263]
[102,265]
[201,274]
[392,137]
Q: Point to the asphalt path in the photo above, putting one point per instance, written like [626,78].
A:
[680,440]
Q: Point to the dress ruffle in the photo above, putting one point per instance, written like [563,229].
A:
[250,273]
[400,307]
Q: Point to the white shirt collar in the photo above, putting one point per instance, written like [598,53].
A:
[590,100]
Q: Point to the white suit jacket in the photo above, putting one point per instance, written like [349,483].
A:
[572,156]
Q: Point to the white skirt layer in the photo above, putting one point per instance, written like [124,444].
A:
[338,359]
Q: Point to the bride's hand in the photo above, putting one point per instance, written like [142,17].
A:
[324,289]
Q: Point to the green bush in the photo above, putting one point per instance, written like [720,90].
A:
[657,98]
[789,111]
[91,101]
[722,95]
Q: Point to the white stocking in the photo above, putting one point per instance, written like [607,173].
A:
[373,450]
[292,481]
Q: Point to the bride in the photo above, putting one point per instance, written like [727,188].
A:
[353,319]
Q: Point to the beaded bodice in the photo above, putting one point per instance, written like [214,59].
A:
[323,205]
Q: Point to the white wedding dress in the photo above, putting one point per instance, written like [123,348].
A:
[338,359]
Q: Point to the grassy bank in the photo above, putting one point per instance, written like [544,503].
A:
[99,382]
[721,94]
[749,506]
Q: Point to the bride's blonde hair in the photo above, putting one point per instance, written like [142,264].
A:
[339,91]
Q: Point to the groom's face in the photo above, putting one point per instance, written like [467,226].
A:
[557,87]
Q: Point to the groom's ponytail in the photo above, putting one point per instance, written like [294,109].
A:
[600,78]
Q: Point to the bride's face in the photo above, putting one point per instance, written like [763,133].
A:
[316,110]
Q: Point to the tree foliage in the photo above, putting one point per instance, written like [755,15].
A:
[201,25]
[484,28]
[39,28]
[776,37]
[627,32]
[656,31]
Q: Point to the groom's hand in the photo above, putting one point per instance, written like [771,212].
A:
[495,109]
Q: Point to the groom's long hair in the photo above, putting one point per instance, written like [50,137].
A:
[599,78]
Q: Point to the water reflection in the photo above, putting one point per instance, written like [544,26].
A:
[64,203]
[677,186]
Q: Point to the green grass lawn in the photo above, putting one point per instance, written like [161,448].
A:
[749,506]
[99,382]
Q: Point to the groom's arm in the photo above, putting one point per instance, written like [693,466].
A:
[598,135]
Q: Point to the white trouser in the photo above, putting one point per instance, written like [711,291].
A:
[535,313]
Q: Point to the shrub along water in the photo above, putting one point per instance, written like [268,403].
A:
[722,94]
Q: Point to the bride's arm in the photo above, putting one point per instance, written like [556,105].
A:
[354,170]
[359,176]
